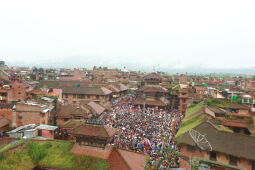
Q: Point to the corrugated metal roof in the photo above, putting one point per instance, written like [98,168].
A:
[46,127]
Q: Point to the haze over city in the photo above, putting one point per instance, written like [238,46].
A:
[194,36]
[127,85]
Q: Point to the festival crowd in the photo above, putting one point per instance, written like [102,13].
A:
[145,130]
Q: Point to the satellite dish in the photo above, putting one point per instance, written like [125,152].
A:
[200,140]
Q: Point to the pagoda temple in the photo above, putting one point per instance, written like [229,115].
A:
[151,93]
[93,135]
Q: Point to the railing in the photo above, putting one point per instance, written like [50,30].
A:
[3,98]
[246,101]
[183,96]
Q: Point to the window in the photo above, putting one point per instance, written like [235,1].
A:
[81,96]
[74,96]
[66,95]
[232,160]
[97,97]
[236,130]
[213,156]
[77,117]
[74,102]
[191,149]
[219,115]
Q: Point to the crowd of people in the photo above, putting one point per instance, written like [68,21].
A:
[145,130]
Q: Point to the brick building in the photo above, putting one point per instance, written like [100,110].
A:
[125,160]
[4,125]
[78,112]
[183,98]
[220,137]
[118,159]
[179,96]
[6,111]
[60,84]
[105,75]
[228,149]
[74,95]
[14,92]
[33,131]
[31,113]
[93,140]
[49,92]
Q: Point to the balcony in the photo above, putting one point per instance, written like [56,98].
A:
[245,101]
[183,96]
[3,98]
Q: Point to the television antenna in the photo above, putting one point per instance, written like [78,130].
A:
[200,140]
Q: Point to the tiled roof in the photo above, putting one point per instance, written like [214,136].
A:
[117,158]
[94,131]
[106,91]
[134,160]
[216,110]
[55,92]
[87,90]
[241,124]
[64,83]
[122,87]
[153,88]
[96,108]
[237,106]
[152,76]
[71,124]
[112,88]
[229,143]
[66,111]
[69,78]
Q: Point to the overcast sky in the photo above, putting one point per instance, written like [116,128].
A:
[135,33]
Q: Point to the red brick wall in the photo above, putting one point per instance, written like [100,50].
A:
[17,92]
[31,118]
[27,118]
[183,105]
[71,100]
[48,134]
[6,113]
[221,157]
[196,153]
[5,128]
[244,164]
